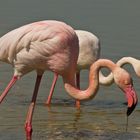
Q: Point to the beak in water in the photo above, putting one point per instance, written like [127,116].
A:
[131,98]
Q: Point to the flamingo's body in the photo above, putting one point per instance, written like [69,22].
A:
[89,52]
[40,46]
[89,49]
[54,46]
[32,43]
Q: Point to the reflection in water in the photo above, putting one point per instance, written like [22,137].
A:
[63,121]
[60,132]
[126,123]
[66,122]
[76,119]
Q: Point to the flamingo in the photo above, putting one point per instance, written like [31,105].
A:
[44,45]
[53,45]
[89,52]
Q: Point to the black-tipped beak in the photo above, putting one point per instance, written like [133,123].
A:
[130,109]
[132,98]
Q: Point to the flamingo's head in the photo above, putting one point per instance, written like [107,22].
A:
[124,81]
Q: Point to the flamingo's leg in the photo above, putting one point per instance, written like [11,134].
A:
[11,83]
[78,86]
[52,89]
[28,123]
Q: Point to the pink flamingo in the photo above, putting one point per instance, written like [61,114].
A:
[89,52]
[40,46]
[53,45]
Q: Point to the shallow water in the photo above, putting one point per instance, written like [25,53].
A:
[104,118]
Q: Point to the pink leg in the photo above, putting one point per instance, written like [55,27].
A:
[52,89]
[11,83]
[28,123]
[78,86]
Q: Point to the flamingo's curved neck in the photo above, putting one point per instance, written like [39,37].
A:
[127,60]
[130,60]
[108,80]
[92,89]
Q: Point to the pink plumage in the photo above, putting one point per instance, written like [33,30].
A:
[54,45]
[44,45]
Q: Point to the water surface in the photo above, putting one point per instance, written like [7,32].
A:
[117,24]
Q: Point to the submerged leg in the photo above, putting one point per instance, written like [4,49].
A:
[28,123]
[11,83]
[78,86]
[52,89]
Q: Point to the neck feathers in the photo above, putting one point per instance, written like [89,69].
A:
[92,89]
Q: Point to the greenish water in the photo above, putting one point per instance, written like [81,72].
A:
[117,24]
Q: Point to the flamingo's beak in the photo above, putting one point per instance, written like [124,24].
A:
[131,98]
